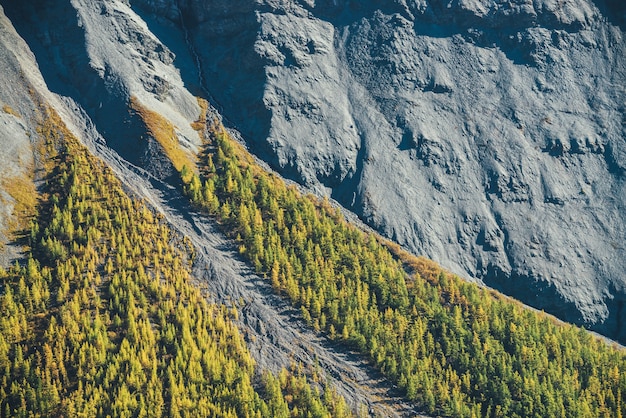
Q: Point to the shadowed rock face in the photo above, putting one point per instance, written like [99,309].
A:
[487,135]
[101,54]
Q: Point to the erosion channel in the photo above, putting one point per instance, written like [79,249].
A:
[274,330]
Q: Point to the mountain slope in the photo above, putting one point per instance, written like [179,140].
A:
[455,349]
[101,319]
[111,97]
[488,136]
[275,335]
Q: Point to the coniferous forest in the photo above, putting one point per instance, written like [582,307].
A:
[454,348]
[100,318]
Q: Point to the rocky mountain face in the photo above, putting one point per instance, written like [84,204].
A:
[487,135]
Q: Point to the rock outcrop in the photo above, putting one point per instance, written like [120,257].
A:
[101,54]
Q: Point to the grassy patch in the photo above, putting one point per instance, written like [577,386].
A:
[200,124]
[22,190]
[9,110]
[163,131]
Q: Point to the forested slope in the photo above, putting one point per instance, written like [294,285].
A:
[101,318]
[455,348]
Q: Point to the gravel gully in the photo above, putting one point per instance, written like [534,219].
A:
[275,333]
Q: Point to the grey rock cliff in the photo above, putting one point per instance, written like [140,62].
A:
[487,135]
[16,148]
